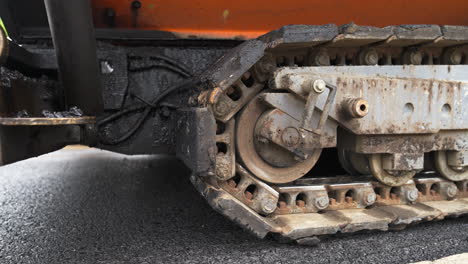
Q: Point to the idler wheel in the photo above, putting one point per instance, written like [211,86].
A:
[265,159]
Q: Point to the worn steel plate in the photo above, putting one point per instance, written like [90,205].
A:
[44,121]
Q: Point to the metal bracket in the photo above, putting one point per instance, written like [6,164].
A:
[307,117]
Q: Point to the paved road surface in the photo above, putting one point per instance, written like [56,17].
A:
[92,206]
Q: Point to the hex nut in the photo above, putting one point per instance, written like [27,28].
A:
[322,202]
[221,108]
[223,167]
[451,191]
[319,86]
[370,198]
[268,206]
[412,195]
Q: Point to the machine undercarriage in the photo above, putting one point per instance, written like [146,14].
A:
[389,100]
[303,132]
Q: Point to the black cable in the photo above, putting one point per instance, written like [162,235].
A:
[146,113]
[171,62]
[119,114]
[168,67]
[173,66]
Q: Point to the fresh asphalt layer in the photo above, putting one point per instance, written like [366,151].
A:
[93,206]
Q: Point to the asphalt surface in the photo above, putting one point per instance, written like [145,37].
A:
[93,206]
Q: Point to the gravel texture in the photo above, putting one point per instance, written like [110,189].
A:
[93,206]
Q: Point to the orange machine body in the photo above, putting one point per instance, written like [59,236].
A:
[245,19]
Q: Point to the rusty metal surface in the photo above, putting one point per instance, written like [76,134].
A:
[277,127]
[394,158]
[44,121]
[196,145]
[450,172]
[348,41]
[444,140]
[418,104]
[252,192]
[297,216]
[225,154]
[389,177]
[236,211]
[224,73]
[237,96]
[249,156]
[433,189]
[389,118]
[301,199]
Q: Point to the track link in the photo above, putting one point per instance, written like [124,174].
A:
[296,221]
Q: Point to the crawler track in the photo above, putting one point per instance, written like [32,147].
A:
[303,209]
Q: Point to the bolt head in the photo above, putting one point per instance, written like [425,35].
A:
[452,191]
[319,86]
[412,195]
[222,170]
[221,108]
[322,202]
[269,206]
[370,198]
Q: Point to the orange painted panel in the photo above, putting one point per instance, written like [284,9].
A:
[250,18]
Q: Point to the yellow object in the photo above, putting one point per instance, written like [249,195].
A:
[3,27]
